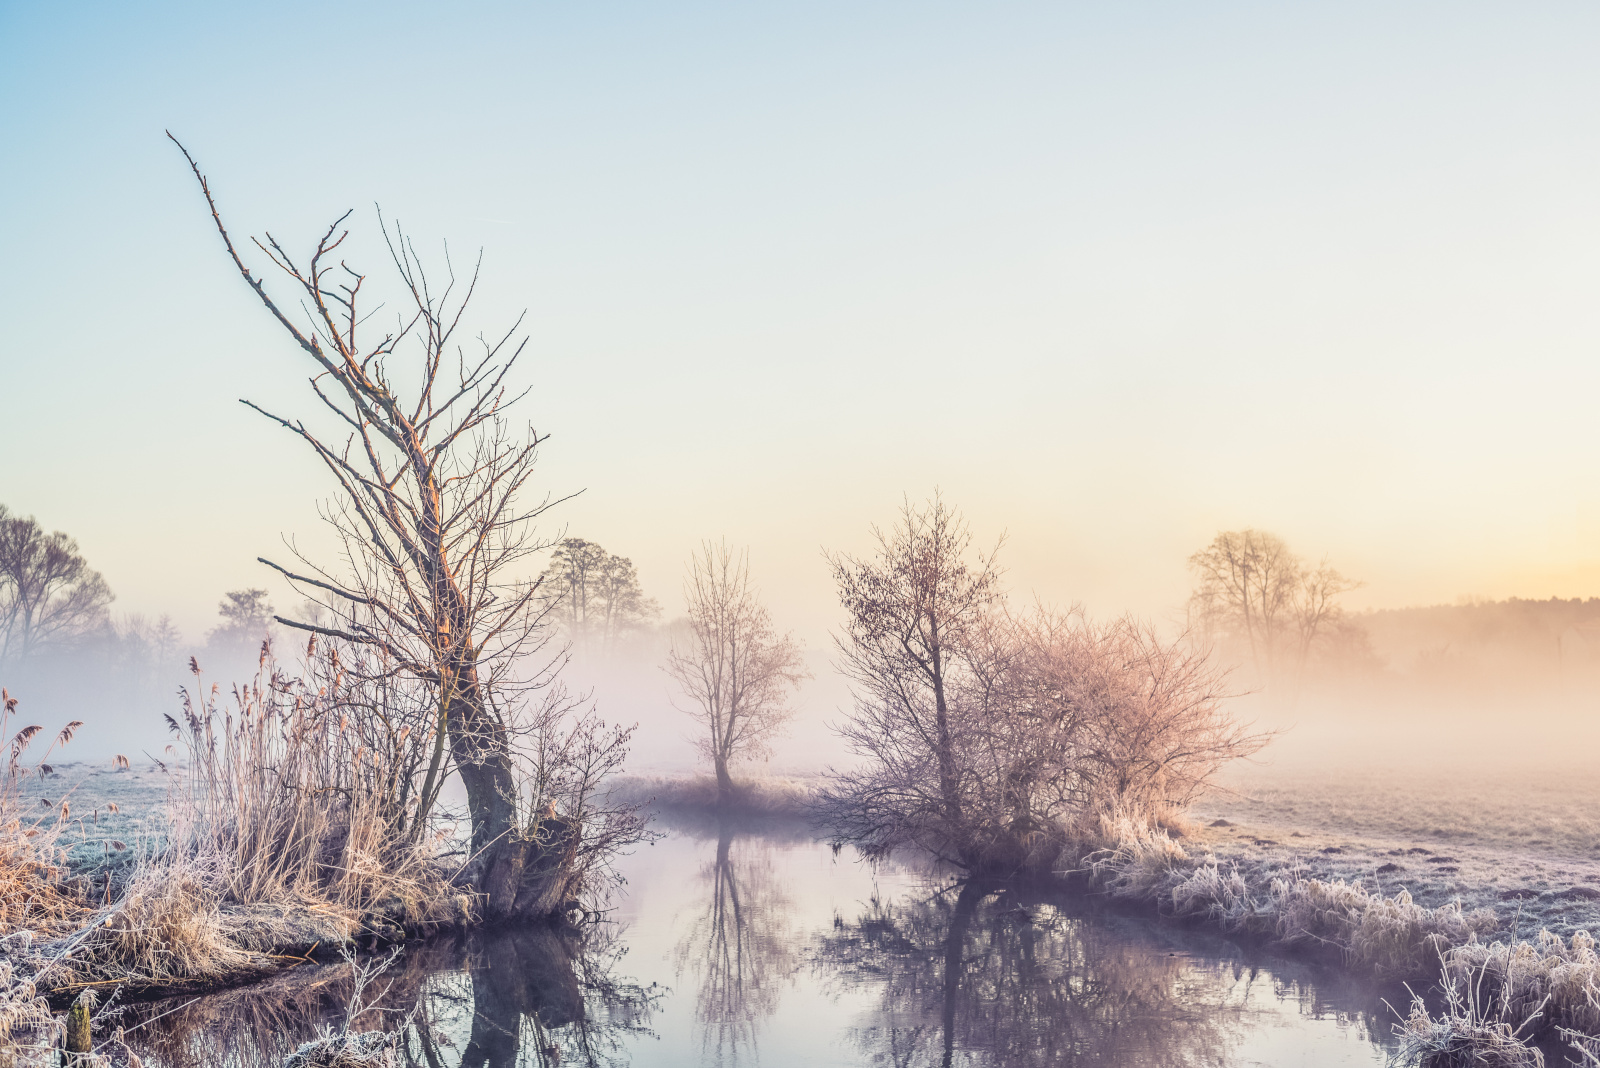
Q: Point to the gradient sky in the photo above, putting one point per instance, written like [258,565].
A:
[1115,276]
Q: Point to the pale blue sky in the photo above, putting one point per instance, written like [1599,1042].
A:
[1114,275]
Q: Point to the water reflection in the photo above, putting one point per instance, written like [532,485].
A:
[739,948]
[984,975]
[533,996]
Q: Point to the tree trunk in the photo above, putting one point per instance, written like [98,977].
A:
[949,790]
[482,756]
[528,974]
[724,782]
[954,954]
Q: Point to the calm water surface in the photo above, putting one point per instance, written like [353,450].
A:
[740,947]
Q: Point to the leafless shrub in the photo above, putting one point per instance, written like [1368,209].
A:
[1105,732]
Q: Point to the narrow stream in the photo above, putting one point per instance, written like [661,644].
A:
[739,946]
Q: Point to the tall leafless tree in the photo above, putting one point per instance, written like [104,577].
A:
[735,669]
[49,595]
[916,614]
[432,511]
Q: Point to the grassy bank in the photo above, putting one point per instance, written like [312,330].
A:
[1484,886]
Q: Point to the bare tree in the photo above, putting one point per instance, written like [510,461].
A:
[1317,611]
[735,669]
[1251,588]
[49,595]
[430,475]
[916,616]
[595,595]
[1247,582]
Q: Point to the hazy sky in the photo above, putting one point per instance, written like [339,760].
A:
[1115,276]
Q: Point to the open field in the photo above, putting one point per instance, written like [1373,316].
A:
[1523,841]
[106,806]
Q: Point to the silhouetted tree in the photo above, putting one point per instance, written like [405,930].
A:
[49,595]
[734,668]
[593,594]
[1250,588]
[246,619]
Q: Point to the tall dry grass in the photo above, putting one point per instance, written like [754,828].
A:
[301,790]
[1558,978]
[26,1023]
[1469,1032]
[293,821]
[32,892]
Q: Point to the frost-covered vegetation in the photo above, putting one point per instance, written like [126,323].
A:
[1005,741]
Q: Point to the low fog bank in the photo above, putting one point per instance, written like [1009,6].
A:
[1475,685]
[122,689]
[1509,685]
[628,685]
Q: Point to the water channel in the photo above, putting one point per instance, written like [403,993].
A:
[756,945]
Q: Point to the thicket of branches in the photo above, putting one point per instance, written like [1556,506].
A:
[995,738]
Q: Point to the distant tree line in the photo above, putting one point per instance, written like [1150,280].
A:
[1281,618]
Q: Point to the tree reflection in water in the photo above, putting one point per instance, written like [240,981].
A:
[529,997]
[740,949]
[976,975]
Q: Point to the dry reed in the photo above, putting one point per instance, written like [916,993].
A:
[32,894]
[299,791]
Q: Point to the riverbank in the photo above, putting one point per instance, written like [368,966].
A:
[1521,842]
[1376,875]
[148,928]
